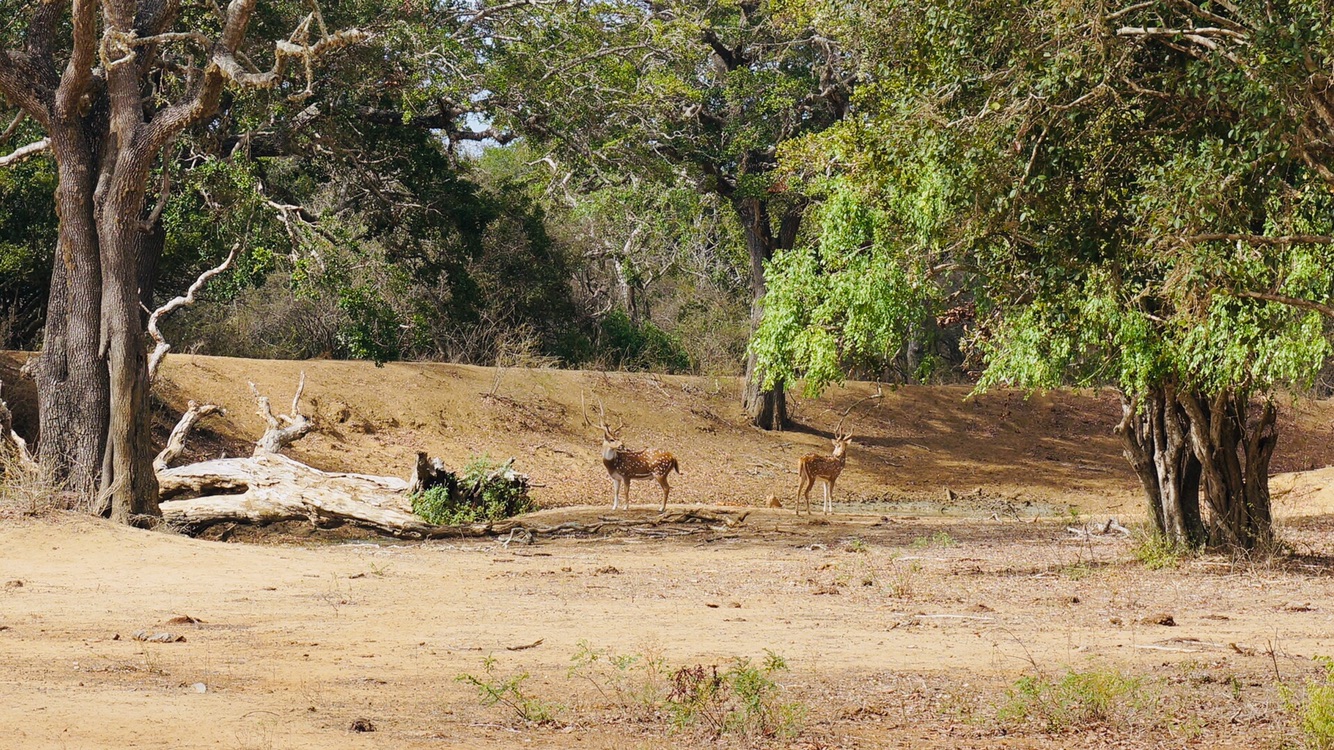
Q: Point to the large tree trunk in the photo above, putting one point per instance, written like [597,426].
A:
[1153,433]
[767,407]
[71,379]
[129,491]
[1234,453]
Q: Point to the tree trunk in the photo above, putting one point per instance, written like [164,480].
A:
[129,491]
[1153,432]
[71,379]
[767,408]
[1234,454]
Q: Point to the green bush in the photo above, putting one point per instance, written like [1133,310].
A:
[507,690]
[743,700]
[486,491]
[1077,700]
[640,346]
[1316,711]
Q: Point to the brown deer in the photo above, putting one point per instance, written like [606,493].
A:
[624,465]
[825,468]
[815,466]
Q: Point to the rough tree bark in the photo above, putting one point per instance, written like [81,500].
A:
[1234,450]
[1153,432]
[767,407]
[107,127]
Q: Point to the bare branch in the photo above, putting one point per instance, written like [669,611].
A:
[13,126]
[1283,299]
[1258,239]
[1191,33]
[23,152]
[176,442]
[224,66]
[277,437]
[1129,9]
[162,347]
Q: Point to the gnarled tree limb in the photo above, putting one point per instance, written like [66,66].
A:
[179,433]
[284,429]
[161,347]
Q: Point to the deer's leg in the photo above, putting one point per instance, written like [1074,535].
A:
[666,490]
[627,493]
[828,498]
[615,491]
[801,487]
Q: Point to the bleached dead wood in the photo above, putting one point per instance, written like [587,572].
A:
[11,443]
[284,429]
[176,442]
[160,345]
[270,487]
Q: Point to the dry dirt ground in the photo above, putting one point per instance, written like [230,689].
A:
[905,620]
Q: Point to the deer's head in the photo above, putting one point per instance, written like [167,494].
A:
[841,443]
[611,444]
[611,439]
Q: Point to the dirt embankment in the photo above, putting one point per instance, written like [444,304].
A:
[1043,453]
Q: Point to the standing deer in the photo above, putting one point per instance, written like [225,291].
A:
[815,466]
[826,468]
[624,465]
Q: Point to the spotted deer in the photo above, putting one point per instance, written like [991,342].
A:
[623,465]
[826,469]
[815,466]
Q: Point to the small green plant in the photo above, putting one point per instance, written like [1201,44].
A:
[1077,571]
[633,683]
[495,689]
[1078,699]
[1156,552]
[1316,709]
[902,578]
[938,539]
[743,700]
[858,545]
[486,491]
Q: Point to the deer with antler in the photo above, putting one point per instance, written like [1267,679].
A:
[826,469]
[624,465]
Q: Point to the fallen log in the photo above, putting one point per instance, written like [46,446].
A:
[271,488]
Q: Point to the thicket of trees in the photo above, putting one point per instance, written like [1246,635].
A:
[1028,194]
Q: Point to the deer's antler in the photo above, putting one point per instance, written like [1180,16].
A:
[838,431]
[602,417]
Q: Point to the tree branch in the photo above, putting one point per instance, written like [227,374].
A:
[1283,299]
[176,442]
[23,152]
[83,53]
[162,347]
[1257,239]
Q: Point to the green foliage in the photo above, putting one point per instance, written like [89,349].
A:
[484,492]
[744,700]
[939,539]
[1316,708]
[1076,701]
[495,689]
[1025,160]
[853,301]
[1157,553]
[640,346]
[27,247]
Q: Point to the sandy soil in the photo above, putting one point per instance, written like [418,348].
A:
[905,621]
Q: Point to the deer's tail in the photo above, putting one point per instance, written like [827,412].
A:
[676,466]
